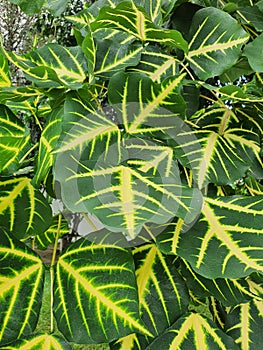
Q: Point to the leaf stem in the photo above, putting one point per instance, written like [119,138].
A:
[52,274]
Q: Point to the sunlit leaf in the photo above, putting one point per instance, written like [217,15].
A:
[23,209]
[95,292]
[21,287]
[40,341]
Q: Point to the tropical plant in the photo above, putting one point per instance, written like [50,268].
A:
[153,125]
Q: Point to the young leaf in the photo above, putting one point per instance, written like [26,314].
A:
[21,288]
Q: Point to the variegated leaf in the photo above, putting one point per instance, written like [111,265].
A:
[244,323]
[83,126]
[47,144]
[218,149]
[227,240]
[215,42]
[193,331]
[23,209]
[254,187]
[53,66]
[162,295]
[135,21]
[39,342]
[229,291]
[21,288]
[5,80]
[20,94]
[95,291]
[156,64]
[144,107]
[125,196]
[113,57]
[14,141]
[57,229]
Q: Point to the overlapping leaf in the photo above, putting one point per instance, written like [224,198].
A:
[215,42]
[126,193]
[113,57]
[229,291]
[21,287]
[156,64]
[47,143]
[95,292]
[52,66]
[229,226]
[244,323]
[15,140]
[23,210]
[193,331]
[218,150]
[135,21]
[162,295]
[57,229]
[144,106]
[40,342]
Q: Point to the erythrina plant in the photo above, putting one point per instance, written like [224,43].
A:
[152,124]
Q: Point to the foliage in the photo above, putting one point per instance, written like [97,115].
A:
[153,124]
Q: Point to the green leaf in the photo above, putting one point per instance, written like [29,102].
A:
[47,144]
[111,57]
[193,331]
[124,194]
[244,323]
[5,80]
[253,52]
[56,7]
[23,209]
[20,94]
[162,295]
[215,42]
[95,291]
[156,64]
[229,291]
[226,241]
[14,141]
[52,66]
[143,106]
[251,15]
[134,20]
[29,8]
[21,288]
[48,237]
[218,149]
[39,341]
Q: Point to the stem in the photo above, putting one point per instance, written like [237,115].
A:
[52,274]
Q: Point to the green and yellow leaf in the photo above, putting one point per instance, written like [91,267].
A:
[21,288]
[215,43]
[226,241]
[95,291]
[193,331]
[5,80]
[23,209]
